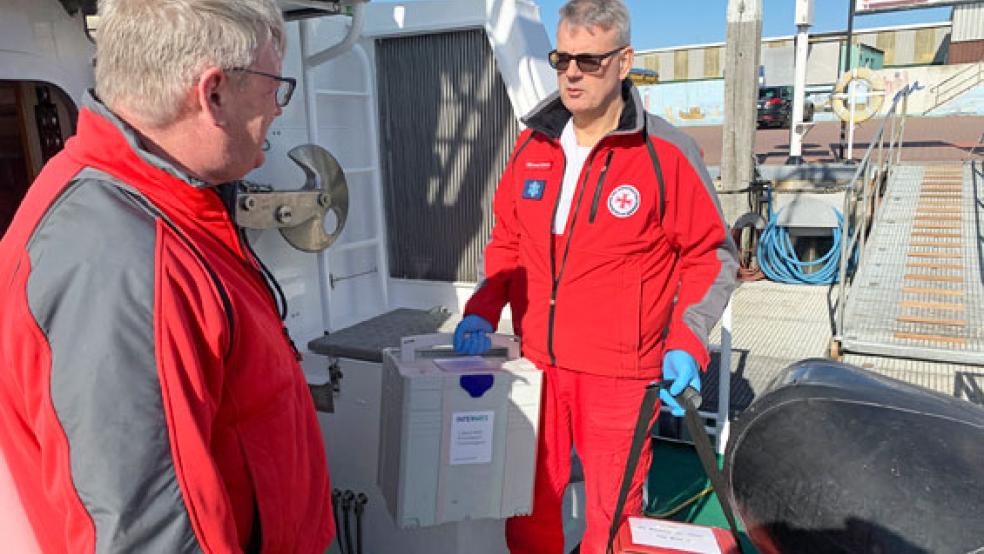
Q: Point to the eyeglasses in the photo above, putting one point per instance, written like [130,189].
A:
[587,63]
[284,90]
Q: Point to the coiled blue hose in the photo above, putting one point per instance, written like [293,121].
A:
[778,259]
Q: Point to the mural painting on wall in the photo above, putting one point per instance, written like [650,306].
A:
[686,103]
[702,102]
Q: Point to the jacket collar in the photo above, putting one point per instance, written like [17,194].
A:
[550,115]
[132,139]
[105,142]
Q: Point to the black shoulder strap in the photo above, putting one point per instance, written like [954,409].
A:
[659,174]
[638,438]
[690,400]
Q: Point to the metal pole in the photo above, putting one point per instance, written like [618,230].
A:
[724,381]
[867,199]
[847,60]
[804,19]
[842,271]
[905,112]
[799,91]
[851,99]
[306,28]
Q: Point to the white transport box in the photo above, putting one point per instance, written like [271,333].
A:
[458,435]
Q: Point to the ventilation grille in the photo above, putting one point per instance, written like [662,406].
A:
[447,129]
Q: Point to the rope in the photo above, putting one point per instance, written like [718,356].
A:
[676,509]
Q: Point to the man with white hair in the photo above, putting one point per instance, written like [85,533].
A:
[612,251]
[150,400]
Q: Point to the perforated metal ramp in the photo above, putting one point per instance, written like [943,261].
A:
[919,292]
[957,380]
[774,325]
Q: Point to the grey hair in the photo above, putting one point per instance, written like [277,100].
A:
[607,14]
[149,52]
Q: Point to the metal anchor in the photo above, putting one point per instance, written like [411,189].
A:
[300,214]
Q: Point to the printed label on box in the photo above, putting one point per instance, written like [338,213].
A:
[471,437]
[670,534]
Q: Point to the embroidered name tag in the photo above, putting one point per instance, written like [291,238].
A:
[539,165]
[533,189]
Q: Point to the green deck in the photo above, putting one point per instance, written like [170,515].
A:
[675,476]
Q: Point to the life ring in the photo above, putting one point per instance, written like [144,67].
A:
[871,107]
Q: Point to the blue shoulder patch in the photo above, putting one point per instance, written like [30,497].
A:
[533,189]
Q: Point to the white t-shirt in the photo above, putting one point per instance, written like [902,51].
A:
[576,156]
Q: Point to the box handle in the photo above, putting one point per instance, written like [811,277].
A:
[409,346]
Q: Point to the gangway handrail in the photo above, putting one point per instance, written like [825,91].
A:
[862,192]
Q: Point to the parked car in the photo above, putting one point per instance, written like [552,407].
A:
[775,107]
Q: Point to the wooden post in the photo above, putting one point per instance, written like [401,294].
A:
[744,37]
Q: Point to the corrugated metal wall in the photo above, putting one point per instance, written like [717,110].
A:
[968,22]
[446,131]
[886,43]
[901,47]
[966,51]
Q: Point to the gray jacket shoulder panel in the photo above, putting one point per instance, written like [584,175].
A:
[91,291]
[659,128]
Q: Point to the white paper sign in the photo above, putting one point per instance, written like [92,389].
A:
[670,534]
[471,437]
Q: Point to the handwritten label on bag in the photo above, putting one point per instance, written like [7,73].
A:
[670,534]
[471,437]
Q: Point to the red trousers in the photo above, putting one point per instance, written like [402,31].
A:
[596,415]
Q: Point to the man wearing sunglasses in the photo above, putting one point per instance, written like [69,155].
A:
[611,249]
[149,398]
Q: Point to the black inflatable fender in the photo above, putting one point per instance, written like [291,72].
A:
[834,458]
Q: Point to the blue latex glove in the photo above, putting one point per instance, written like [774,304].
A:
[681,368]
[471,335]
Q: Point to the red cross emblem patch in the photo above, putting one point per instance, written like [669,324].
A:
[623,201]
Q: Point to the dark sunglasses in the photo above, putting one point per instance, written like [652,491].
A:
[284,90]
[587,63]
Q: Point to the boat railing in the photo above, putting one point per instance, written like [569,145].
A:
[863,192]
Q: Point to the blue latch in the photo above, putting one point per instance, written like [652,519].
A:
[476,384]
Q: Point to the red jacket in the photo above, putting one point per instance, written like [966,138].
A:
[149,399]
[643,267]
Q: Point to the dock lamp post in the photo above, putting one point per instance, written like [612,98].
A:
[797,129]
[847,67]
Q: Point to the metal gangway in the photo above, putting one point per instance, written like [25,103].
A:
[912,260]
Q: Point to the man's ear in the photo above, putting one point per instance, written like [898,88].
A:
[627,57]
[212,95]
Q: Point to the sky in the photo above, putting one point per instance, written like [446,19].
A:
[668,23]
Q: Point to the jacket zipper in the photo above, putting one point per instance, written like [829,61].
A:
[598,187]
[555,275]
[553,283]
